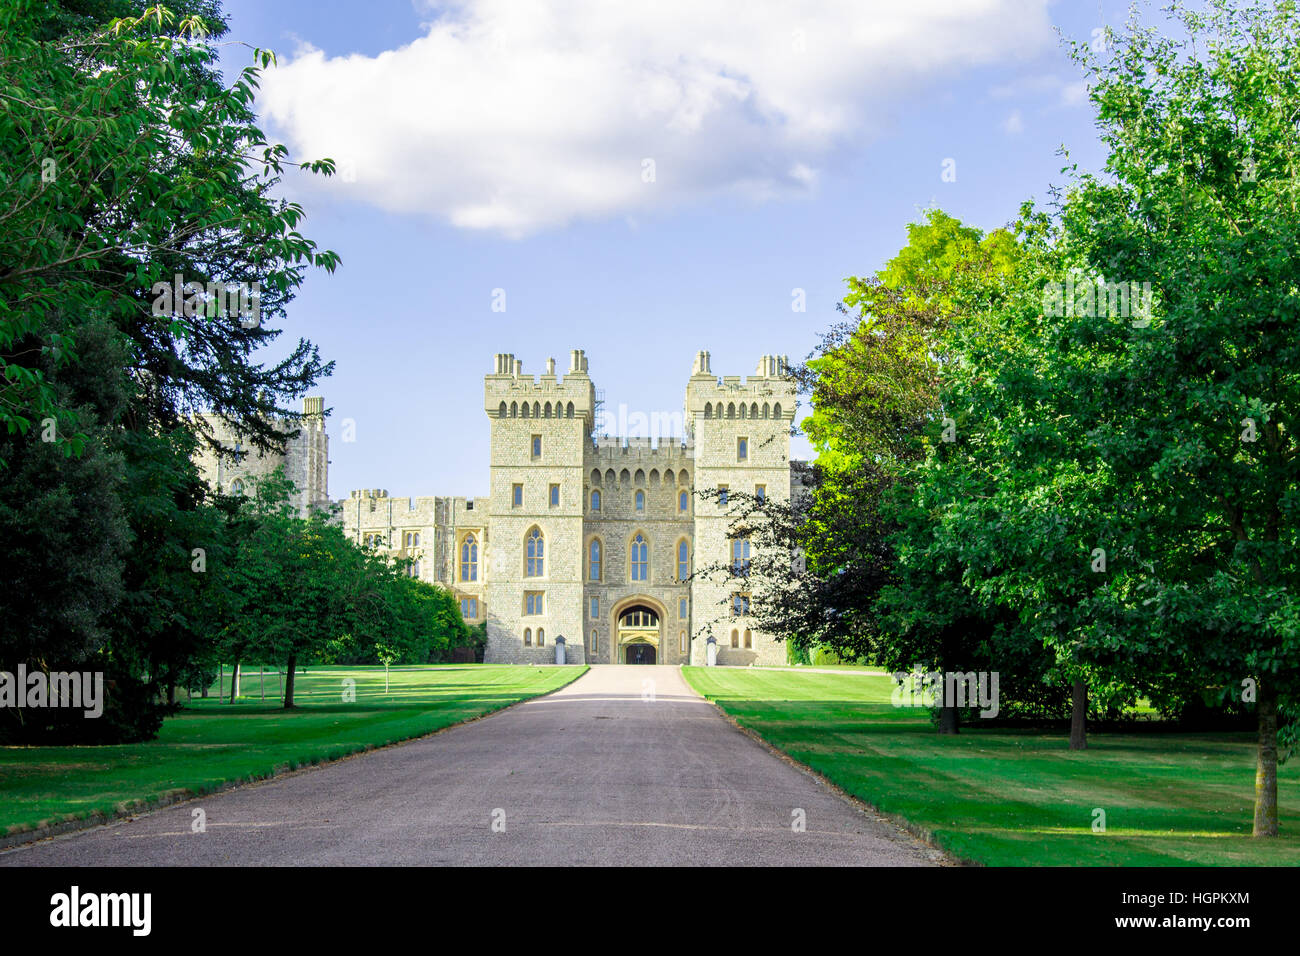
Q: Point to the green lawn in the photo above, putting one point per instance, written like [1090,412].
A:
[211,743]
[1014,798]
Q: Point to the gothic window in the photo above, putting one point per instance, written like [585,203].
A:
[749,638]
[595,501]
[593,561]
[742,449]
[683,500]
[537,446]
[740,556]
[535,565]
[640,502]
[517,496]
[708,409]
[735,637]
[237,487]
[469,558]
[555,496]
[528,637]
[640,555]
[683,560]
[541,636]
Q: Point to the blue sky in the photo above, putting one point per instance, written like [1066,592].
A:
[489,152]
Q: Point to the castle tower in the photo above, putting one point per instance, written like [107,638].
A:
[741,434]
[540,430]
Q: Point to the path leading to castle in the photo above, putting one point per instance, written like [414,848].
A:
[594,773]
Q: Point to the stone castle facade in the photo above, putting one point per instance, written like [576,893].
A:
[593,539]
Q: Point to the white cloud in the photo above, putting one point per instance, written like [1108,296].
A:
[1015,123]
[516,116]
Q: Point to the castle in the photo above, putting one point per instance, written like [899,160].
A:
[582,537]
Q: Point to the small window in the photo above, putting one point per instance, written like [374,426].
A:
[760,492]
[413,569]
[517,496]
[735,637]
[681,642]
[683,560]
[595,609]
[749,638]
[722,494]
[640,502]
[595,501]
[534,602]
[237,487]
[528,637]
[469,608]
[555,496]
[683,501]
[593,562]
[537,446]
[739,605]
[469,504]
[681,608]
[594,642]
[742,449]
[541,636]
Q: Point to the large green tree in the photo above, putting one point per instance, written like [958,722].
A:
[1201,197]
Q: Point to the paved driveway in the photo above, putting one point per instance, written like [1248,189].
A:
[626,765]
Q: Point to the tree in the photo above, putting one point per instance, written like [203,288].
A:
[1199,199]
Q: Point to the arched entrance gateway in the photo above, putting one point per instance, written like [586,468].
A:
[638,635]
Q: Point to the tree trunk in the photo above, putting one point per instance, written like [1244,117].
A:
[171,692]
[1266,763]
[288,681]
[221,682]
[234,681]
[949,720]
[261,680]
[1079,715]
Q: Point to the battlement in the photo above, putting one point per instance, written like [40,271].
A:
[369,493]
[767,394]
[610,448]
[509,393]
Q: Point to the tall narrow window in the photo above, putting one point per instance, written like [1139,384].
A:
[469,558]
[722,495]
[735,637]
[537,446]
[683,560]
[593,562]
[640,559]
[517,496]
[681,608]
[683,500]
[593,643]
[535,566]
[555,496]
[528,637]
[749,638]
[595,501]
[541,636]
[740,556]
[640,501]
[760,492]
[595,609]
[742,449]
